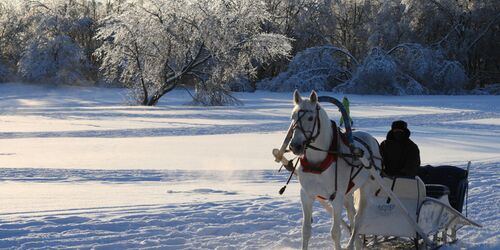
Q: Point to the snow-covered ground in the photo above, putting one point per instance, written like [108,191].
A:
[79,168]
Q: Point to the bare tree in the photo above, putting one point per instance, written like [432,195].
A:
[351,18]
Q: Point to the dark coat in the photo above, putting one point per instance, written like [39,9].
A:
[400,154]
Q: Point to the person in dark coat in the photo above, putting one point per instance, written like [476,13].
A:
[400,154]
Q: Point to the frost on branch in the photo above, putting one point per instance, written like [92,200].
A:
[389,25]
[210,93]
[407,69]
[318,68]
[55,59]
[379,74]
[431,69]
[234,71]
[11,42]
[256,50]
[56,42]
[154,46]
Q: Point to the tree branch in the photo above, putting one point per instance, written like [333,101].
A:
[138,62]
[481,35]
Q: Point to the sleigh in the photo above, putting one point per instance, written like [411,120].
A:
[426,209]
[434,206]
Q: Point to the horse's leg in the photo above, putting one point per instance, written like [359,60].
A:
[355,241]
[351,211]
[337,204]
[307,203]
[327,206]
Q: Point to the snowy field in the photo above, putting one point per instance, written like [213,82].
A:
[80,168]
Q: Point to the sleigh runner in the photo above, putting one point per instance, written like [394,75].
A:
[400,207]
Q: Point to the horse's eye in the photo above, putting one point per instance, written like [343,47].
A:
[310,118]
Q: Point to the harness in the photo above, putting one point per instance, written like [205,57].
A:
[330,158]
[332,153]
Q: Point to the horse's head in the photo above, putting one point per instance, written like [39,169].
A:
[305,116]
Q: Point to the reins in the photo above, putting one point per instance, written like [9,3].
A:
[282,190]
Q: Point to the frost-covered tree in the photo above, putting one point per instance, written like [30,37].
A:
[380,74]
[12,32]
[466,31]
[59,42]
[34,34]
[309,23]
[430,68]
[56,59]
[390,26]
[155,45]
[318,68]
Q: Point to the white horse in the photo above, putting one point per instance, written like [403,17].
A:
[312,136]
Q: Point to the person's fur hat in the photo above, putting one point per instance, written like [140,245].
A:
[401,125]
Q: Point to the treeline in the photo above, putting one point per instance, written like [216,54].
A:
[218,46]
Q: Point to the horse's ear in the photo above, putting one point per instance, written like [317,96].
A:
[314,97]
[296,97]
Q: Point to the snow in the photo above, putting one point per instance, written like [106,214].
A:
[487,121]
[80,168]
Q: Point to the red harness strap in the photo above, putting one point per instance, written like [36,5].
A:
[317,169]
[308,167]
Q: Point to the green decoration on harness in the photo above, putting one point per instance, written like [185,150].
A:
[345,103]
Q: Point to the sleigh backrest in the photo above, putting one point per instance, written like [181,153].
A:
[383,216]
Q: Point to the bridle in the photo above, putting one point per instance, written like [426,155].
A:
[310,135]
[298,124]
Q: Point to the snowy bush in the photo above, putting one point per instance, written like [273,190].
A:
[430,68]
[317,68]
[379,74]
[55,59]
[57,41]
[449,78]
[407,69]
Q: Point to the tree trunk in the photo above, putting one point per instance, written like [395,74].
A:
[160,93]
